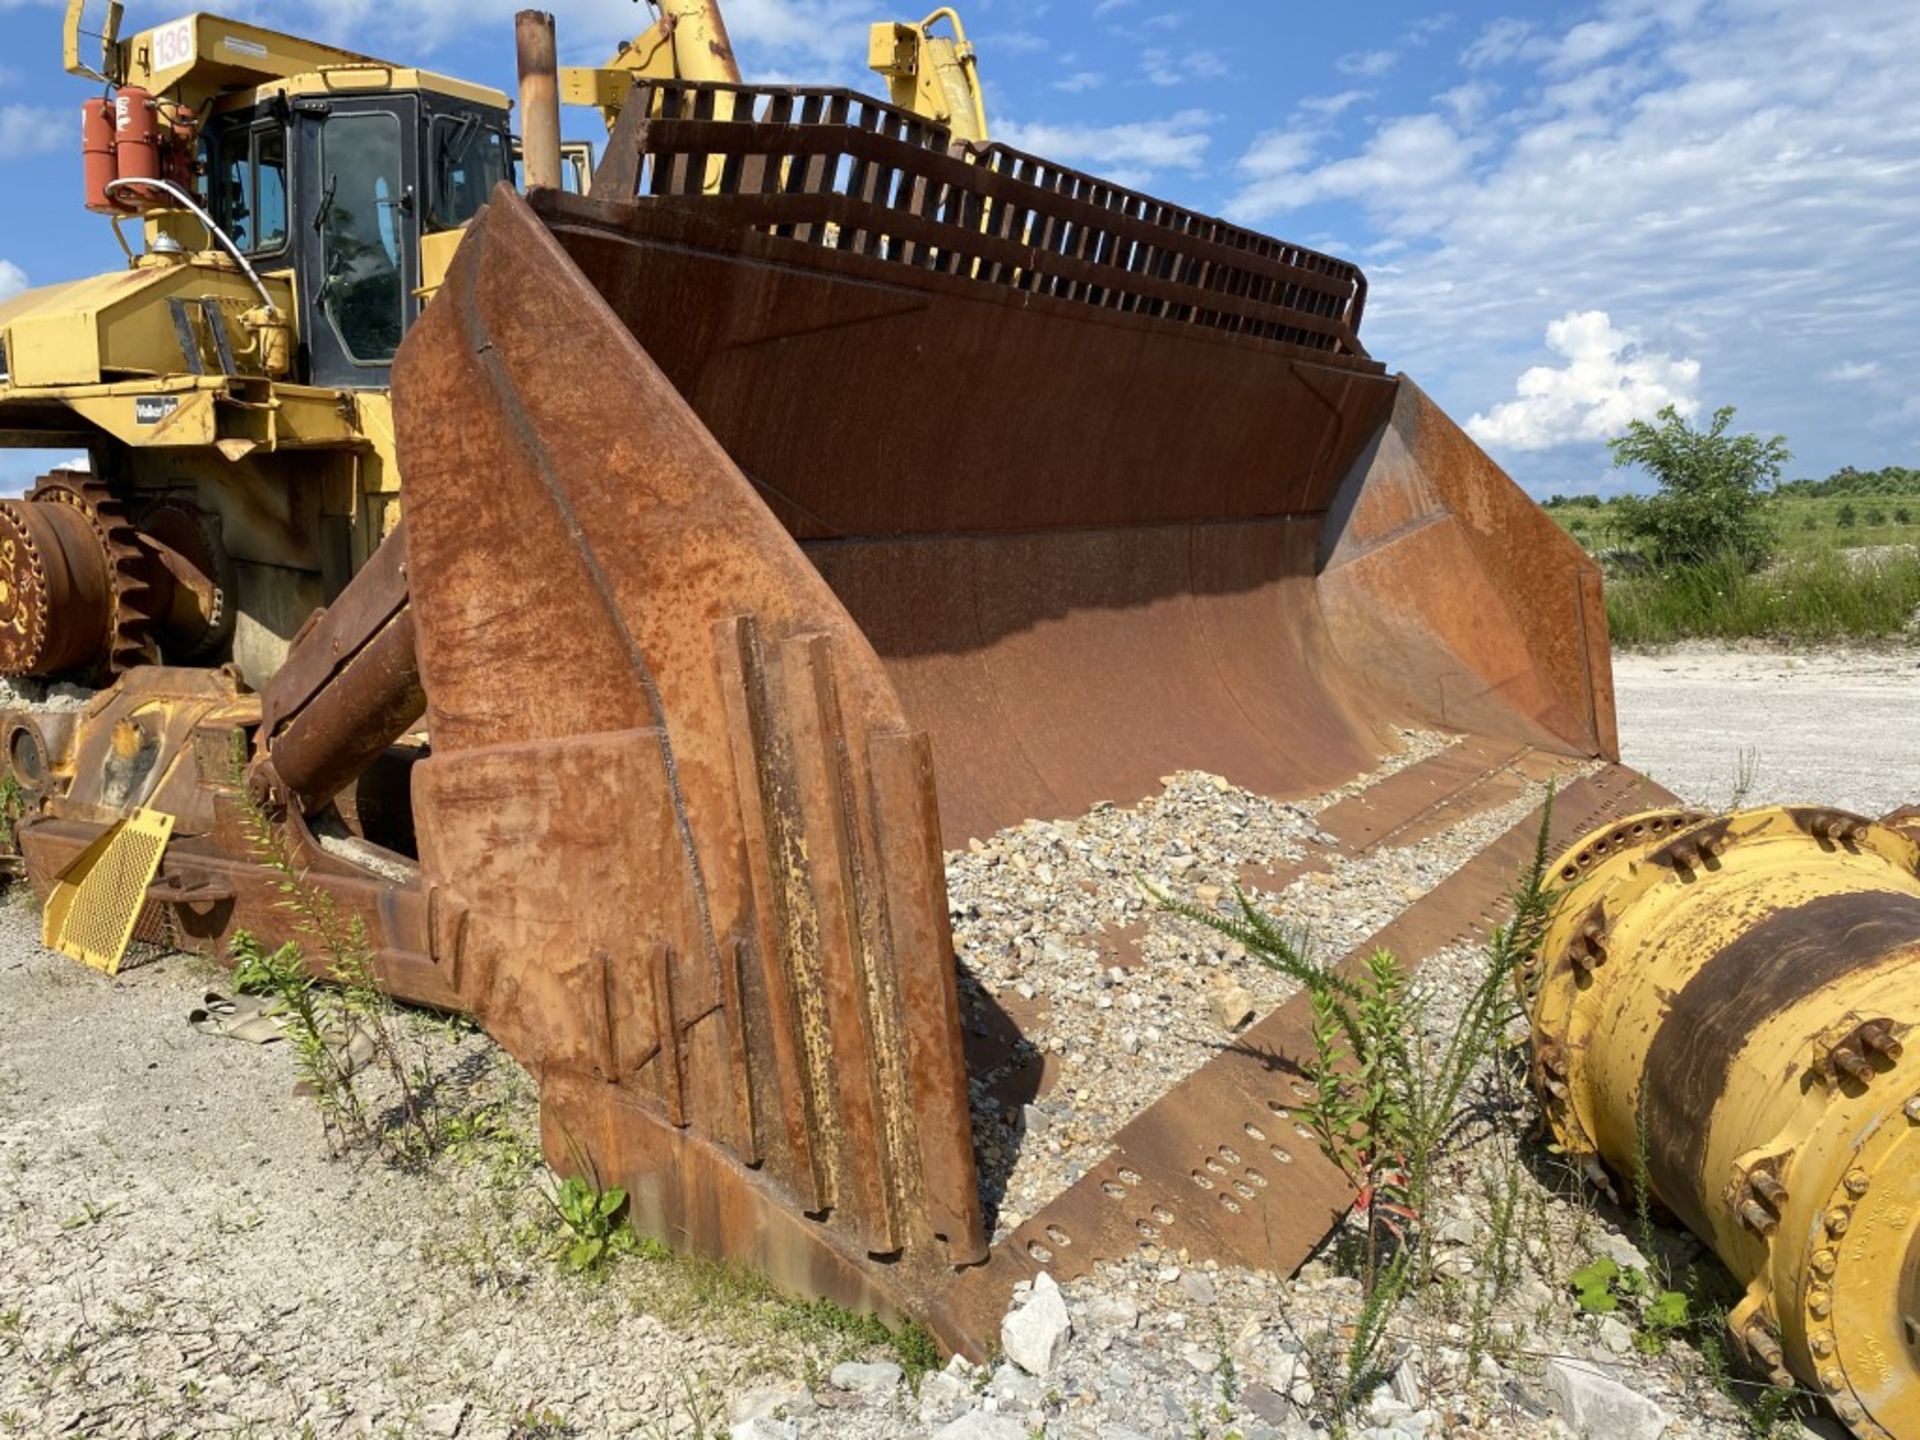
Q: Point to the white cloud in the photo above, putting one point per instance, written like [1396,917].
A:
[1020,42]
[1594,40]
[1469,101]
[12,279]
[1406,157]
[1696,181]
[1854,373]
[1609,380]
[1168,67]
[1370,64]
[1331,105]
[1128,154]
[36,130]
[1079,80]
[1279,154]
[1505,40]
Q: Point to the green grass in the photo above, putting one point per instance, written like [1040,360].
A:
[1812,596]
[1802,523]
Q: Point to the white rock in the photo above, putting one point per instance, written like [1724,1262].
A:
[1203,1361]
[1034,1335]
[1014,1389]
[769,1402]
[761,1428]
[881,1378]
[943,1397]
[978,1425]
[1615,1336]
[1385,1409]
[1409,1382]
[1621,1251]
[1284,1370]
[444,1419]
[1598,1407]
[1231,1005]
[1198,1287]
[1106,1312]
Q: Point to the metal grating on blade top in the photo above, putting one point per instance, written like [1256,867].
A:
[839,170]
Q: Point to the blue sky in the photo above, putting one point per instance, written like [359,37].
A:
[1569,215]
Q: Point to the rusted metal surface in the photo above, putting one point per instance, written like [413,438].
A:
[1458,596]
[346,695]
[76,593]
[832,168]
[1074,606]
[1474,775]
[539,97]
[684,863]
[196,601]
[733,959]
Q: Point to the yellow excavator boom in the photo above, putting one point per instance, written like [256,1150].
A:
[931,74]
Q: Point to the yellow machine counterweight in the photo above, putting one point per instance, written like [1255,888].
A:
[1722,1012]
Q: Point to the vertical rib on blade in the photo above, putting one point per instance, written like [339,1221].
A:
[676,798]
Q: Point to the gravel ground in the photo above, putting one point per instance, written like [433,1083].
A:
[182,1259]
[1836,727]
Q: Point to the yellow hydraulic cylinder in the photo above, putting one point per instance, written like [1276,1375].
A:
[1723,1011]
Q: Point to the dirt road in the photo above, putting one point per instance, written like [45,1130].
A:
[1840,727]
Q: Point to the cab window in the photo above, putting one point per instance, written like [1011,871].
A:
[249,182]
[361,223]
[469,159]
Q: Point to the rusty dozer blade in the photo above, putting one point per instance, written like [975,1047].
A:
[819,494]
[681,833]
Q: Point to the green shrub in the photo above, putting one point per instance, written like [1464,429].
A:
[1712,494]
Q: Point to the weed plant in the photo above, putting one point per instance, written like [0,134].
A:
[1387,1100]
[324,1021]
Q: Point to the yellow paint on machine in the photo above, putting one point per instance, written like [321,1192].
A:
[1724,1011]
[95,903]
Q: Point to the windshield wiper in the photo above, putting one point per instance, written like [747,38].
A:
[326,203]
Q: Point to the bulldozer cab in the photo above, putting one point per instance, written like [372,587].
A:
[347,192]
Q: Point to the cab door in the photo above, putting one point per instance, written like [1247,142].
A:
[360,240]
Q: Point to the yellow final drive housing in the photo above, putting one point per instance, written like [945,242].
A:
[1722,1010]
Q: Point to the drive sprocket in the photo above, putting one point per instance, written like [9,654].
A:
[75,593]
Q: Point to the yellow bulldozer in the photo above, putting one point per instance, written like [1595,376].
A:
[617,598]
